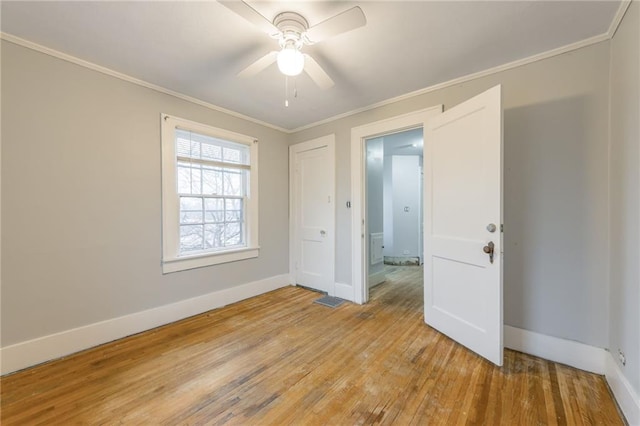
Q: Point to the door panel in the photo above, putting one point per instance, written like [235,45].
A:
[313,212]
[463,194]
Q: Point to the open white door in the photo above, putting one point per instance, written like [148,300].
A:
[463,217]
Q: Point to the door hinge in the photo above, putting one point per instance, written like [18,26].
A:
[502,227]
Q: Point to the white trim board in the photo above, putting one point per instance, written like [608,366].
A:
[628,400]
[569,352]
[617,19]
[578,355]
[344,291]
[29,353]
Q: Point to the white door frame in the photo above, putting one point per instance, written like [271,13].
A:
[359,250]
[329,141]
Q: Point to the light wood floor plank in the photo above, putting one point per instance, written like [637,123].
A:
[279,359]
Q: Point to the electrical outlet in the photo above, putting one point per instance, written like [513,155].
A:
[406,252]
[623,359]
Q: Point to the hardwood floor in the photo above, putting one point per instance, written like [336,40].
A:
[280,359]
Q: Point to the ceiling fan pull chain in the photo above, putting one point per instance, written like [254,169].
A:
[286,91]
[295,88]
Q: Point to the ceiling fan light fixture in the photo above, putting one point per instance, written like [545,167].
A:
[290,61]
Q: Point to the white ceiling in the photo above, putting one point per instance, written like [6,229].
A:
[197,48]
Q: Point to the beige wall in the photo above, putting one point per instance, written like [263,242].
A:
[624,326]
[556,192]
[81,207]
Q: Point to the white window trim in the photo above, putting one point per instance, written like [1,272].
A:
[171,261]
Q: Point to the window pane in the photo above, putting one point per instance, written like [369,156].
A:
[190,217]
[214,236]
[231,155]
[214,210]
[184,180]
[233,234]
[190,204]
[182,145]
[195,150]
[190,238]
[196,180]
[233,215]
[191,210]
[233,204]
[211,152]
[233,183]
[211,181]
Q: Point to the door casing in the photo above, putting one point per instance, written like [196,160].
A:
[360,251]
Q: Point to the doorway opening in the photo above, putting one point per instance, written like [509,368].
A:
[361,250]
[394,209]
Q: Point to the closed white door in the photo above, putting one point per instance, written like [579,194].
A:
[313,212]
[463,216]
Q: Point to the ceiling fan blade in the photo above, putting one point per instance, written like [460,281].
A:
[346,21]
[317,74]
[250,14]
[259,65]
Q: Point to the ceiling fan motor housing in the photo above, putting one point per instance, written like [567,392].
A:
[292,26]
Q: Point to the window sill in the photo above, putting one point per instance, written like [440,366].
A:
[208,259]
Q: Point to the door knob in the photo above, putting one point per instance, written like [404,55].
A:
[489,248]
[323,232]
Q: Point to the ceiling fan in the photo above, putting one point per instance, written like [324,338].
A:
[292,32]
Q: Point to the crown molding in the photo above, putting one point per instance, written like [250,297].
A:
[615,23]
[504,67]
[125,77]
[617,19]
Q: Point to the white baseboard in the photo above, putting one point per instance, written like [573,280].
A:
[377,278]
[628,399]
[29,353]
[344,291]
[569,352]
[578,355]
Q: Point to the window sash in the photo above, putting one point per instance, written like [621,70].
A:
[203,222]
[220,166]
[202,180]
[174,131]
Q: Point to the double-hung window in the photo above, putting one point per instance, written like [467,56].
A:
[210,195]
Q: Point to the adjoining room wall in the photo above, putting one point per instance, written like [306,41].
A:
[556,191]
[375,202]
[405,204]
